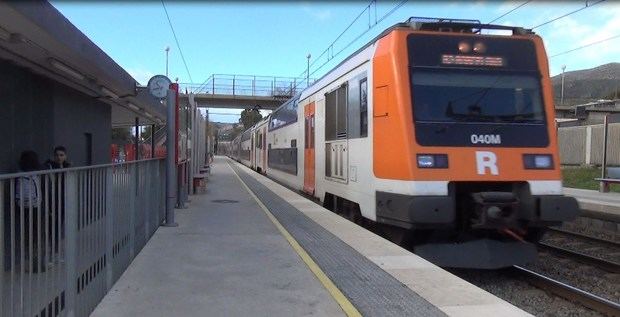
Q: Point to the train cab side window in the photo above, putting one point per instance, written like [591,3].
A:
[336,114]
[363,108]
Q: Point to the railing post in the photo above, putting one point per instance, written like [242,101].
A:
[71,235]
[171,173]
[152,140]
[254,86]
[604,187]
[233,85]
[147,201]
[213,85]
[109,227]
[132,211]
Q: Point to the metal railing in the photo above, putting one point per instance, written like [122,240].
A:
[248,85]
[67,235]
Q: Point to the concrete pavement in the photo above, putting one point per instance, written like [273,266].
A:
[226,258]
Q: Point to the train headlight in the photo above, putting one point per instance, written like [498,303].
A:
[432,160]
[538,161]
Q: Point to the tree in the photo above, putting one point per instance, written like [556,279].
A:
[250,117]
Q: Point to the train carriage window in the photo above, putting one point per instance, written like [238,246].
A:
[357,108]
[364,108]
[245,136]
[284,115]
[341,127]
[336,114]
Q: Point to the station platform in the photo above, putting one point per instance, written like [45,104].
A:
[604,206]
[250,246]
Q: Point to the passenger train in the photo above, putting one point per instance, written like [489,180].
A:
[439,133]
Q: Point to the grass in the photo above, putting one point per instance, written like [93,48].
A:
[583,178]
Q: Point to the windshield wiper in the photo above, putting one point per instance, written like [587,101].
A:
[523,117]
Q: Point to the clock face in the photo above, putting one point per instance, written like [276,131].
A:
[158,86]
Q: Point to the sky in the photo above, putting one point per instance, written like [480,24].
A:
[274,38]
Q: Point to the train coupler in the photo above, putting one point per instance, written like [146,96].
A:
[494,210]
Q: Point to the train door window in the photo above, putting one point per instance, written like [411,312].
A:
[306,134]
[336,114]
[357,107]
[341,126]
[311,131]
[293,143]
[363,108]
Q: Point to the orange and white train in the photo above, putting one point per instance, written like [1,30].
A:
[438,133]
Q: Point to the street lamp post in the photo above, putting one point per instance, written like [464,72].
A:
[308,70]
[562,92]
[167,49]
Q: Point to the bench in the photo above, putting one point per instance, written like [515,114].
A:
[613,177]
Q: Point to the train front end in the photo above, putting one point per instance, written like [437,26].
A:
[466,125]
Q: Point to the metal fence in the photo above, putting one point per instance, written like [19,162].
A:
[583,145]
[67,235]
[248,85]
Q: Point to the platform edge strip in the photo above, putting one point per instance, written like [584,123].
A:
[329,285]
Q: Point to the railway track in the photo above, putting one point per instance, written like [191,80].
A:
[584,237]
[571,293]
[603,264]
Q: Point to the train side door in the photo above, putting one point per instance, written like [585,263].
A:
[336,135]
[309,158]
[256,155]
[264,150]
[252,150]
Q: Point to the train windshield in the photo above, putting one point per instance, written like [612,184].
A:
[467,96]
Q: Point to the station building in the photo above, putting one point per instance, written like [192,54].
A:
[57,87]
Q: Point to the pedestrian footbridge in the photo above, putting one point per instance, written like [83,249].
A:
[243,91]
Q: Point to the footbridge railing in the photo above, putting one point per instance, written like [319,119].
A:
[248,85]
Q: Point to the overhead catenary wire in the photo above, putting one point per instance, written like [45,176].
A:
[510,11]
[394,9]
[586,45]
[330,47]
[177,42]
[569,13]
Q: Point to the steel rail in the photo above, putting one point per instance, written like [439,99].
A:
[585,237]
[571,293]
[603,264]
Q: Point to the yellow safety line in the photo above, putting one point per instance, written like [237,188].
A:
[333,290]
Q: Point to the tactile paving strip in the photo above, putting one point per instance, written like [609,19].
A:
[370,289]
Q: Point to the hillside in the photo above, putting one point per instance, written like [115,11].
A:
[581,86]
